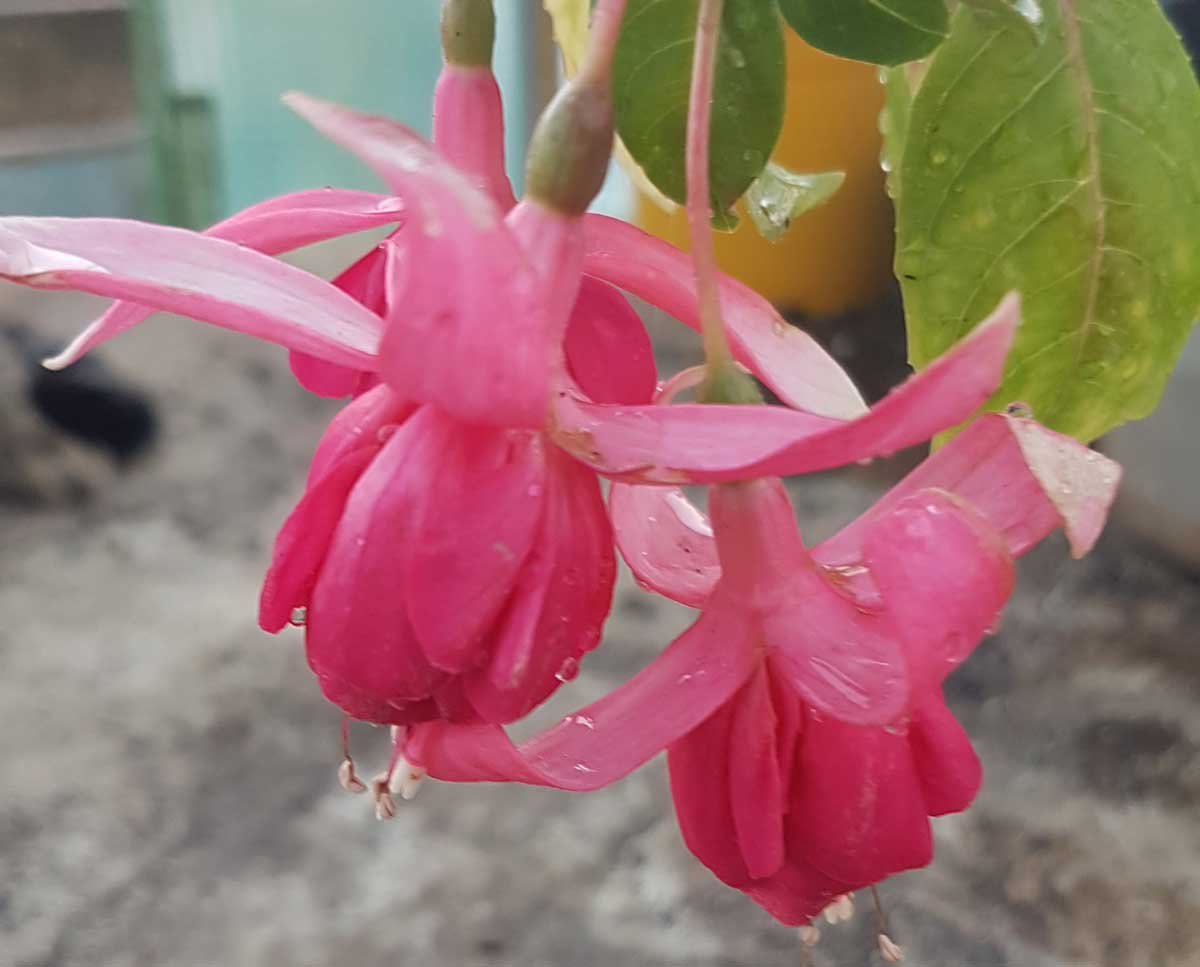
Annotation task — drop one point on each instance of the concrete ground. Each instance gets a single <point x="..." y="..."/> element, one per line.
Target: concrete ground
<point x="168" y="794"/>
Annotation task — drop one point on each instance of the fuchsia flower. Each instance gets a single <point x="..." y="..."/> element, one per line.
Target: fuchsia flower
<point x="808" y="741"/>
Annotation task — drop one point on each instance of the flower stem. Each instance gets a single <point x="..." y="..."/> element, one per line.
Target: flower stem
<point x="570" y="149"/>
<point x="602" y="39"/>
<point x="724" y="382"/>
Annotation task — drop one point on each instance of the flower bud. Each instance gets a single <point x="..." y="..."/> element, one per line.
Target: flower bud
<point x="468" y="32"/>
<point x="571" y="146"/>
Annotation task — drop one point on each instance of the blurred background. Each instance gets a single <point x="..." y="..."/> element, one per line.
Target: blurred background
<point x="167" y="791"/>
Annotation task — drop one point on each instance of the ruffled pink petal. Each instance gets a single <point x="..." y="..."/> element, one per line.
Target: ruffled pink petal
<point x="697" y="443"/>
<point x="797" y="893"/>
<point x="365" y="283"/>
<point x="608" y="739"/>
<point x="947" y="766"/>
<point x="360" y="423"/>
<point x="608" y="349"/>
<point x="468" y="128"/>
<point x="699" y="766"/>
<point x="787" y="359"/>
<point x="858" y="809"/>
<point x="320" y="378"/>
<point x="278" y="225"/>
<point x="944" y="575"/>
<point x="666" y="541"/>
<point x="1024" y="479"/>
<point x="471" y="533"/>
<point x="359" y="639"/>
<point x="756" y="785"/>
<point x="560" y="601"/>
<point x="468" y="327"/>
<point x="304" y="539"/>
<point x="843" y="662"/>
<point x="179" y="271"/>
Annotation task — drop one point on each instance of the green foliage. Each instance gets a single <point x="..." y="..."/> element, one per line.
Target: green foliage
<point x="652" y="76"/>
<point x="885" y="32"/>
<point x="1068" y="171"/>
<point x="1026" y="15"/>
<point x="893" y="123"/>
<point x="780" y="196"/>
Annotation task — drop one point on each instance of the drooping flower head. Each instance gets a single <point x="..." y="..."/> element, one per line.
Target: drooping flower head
<point x="807" y="736"/>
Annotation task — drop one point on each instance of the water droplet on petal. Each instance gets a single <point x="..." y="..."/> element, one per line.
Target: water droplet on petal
<point x="568" y="671"/>
<point x="299" y="617"/>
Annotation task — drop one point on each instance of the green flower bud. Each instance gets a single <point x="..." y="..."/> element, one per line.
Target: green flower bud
<point x="571" y="147"/>
<point x="468" y="32"/>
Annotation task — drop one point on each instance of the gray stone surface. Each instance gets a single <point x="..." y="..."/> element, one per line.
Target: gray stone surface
<point x="168" y="793"/>
<point x="1161" y="499"/>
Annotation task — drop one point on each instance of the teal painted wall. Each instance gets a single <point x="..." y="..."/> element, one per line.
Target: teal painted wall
<point x="380" y="56"/>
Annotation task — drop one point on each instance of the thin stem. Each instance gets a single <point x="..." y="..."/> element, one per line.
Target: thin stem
<point x="602" y="39"/>
<point x="699" y="211"/>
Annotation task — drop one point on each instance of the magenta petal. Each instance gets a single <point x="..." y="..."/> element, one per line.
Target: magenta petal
<point x="797" y="893"/>
<point x="304" y="539"/>
<point x="787" y="359"/>
<point x="468" y="128"/>
<point x="320" y="378"/>
<point x="700" y="784"/>
<point x="359" y="640"/>
<point x="843" y="662"/>
<point x="691" y="442"/>
<point x="278" y="225"/>
<point x="756" y="785"/>
<point x="608" y="739"/>
<point x="474" y="529"/>
<point x="559" y="604"/>
<point x="468" y="328"/>
<point x="365" y="283"/>
<point x="1024" y="479"/>
<point x="608" y="349"/>
<point x="303" y="218"/>
<point x="666" y="541"/>
<point x="944" y="574"/>
<point x="360" y="423"/>
<point x="859" y="813"/>
<point x="204" y="278"/>
<point x="947" y="766"/>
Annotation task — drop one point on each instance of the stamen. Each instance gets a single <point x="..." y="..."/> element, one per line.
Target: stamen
<point x="347" y="776"/>
<point x="349" y="779"/>
<point x="810" y="935"/>
<point x="385" y="805"/>
<point x="840" y="910"/>
<point x="889" y="950"/>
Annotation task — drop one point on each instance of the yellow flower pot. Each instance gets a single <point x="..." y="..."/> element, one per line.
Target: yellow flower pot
<point x="837" y="257"/>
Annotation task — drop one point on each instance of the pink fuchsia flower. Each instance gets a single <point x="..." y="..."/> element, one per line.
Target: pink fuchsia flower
<point x="807" y="737"/>
<point x="447" y="571"/>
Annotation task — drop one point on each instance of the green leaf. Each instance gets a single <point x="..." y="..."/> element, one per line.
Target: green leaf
<point x="1026" y="15"/>
<point x="651" y="81"/>
<point x="885" y="32"/>
<point x="780" y="196"/>
<point x="1068" y="171"/>
<point x="893" y="123"/>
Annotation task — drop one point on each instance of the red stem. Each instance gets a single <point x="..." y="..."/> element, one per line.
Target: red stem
<point x="602" y="39"/>
<point x="699" y="196"/>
